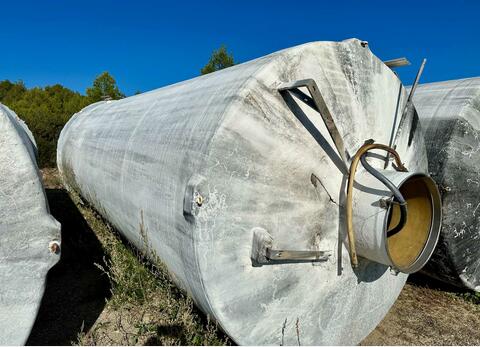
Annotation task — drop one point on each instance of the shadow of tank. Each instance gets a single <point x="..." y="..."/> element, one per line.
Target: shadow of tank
<point x="76" y="288"/>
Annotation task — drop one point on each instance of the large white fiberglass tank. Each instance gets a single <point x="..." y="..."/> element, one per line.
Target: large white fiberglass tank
<point x="450" y="115"/>
<point x="29" y="235"/>
<point x="234" y="181"/>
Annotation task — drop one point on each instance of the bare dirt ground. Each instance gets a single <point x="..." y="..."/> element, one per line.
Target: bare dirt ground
<point x="102" y="293"/>
<point x="428" y="316"/>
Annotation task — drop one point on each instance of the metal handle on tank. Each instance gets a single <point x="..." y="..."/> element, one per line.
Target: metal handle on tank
<point x="369" y="145"/>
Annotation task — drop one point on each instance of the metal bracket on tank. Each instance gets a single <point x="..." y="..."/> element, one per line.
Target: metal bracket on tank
<point x="399" y="62"/>
<point x="277" y="254"/>
<point x="264" y="254"/>
<point x="193" y="197"/>
<point x="317" y="102"/>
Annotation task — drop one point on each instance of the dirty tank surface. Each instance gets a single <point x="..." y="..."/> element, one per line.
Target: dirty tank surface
<point x="450" y="115"/>
<point x="26" y="231"/>
<point x="229" y="138"/>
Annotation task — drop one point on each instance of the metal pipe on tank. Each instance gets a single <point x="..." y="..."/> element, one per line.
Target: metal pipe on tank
<point x="450" y="115"/>
<point x="411" y="246"/>
<point x="237" y="178"/>
<point x="29" y="235"/>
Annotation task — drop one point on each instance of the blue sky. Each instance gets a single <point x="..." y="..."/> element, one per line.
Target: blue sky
<point x="149" y="44"/>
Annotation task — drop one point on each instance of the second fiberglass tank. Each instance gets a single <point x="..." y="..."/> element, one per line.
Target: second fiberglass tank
<point x="234" y="181"/>
<point x="450" y="114"/>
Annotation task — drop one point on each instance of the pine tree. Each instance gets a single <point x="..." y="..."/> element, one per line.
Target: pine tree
<point x="219" y="60"/>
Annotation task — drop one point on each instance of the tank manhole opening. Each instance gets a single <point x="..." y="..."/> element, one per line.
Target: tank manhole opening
<point x="411" y="248"/>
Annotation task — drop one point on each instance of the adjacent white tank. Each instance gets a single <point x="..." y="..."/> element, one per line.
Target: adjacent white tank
<point x="450" y="115"/>
<point x="29" y="235"/>
<point x="212" y="171"/>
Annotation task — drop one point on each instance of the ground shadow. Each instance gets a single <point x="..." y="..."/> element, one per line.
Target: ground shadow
<point x="421" y="279"/>
<point x="76" y="289"/>
<point x="175" y="330"/>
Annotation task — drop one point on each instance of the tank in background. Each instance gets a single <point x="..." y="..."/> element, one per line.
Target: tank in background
<point x="450" y="115"/>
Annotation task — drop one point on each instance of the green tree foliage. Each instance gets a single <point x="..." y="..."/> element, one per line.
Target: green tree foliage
<point x="46" y="110"/>
<point x="104" y="88"/>
<point x="219" y="60"/>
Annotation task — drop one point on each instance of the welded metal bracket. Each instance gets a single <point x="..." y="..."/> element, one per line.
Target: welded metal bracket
<point x="263" y="252"/>
<point x="316" y="101"/>
<point x="398" y="62"/>
<point x="279" y="255"/>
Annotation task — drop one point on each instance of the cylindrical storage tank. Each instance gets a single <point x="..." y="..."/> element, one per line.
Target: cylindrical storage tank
<point x="450" y="116"/>
<point x="234" y="183"/>
<point x="29" y="235"/>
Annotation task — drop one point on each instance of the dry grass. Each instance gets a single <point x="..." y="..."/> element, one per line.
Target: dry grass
<point x="428" y="316"/>
<point x="145" y="307"/>
<point x="51" y="179"/>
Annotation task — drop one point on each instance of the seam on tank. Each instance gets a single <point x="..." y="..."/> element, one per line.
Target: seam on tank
<point x="269" y="59"/>
<point x="223" y="117"/>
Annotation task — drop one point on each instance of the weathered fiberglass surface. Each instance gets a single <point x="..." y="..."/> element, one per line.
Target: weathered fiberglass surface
<point x="230" y="138"/>
<point x="450" y="115"/>
<point x="26" y="230"/>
